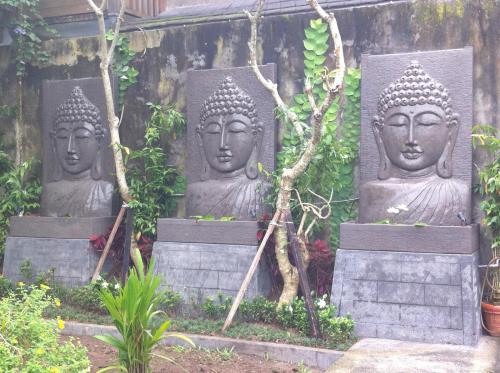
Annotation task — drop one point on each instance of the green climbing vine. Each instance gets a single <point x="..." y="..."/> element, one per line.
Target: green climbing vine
<point x="331" y="172"/>
<point x="25" y="24"/>
<point x="153" y="184"/>
<point x="126" y="73"/>
<point x="8" y="112"/>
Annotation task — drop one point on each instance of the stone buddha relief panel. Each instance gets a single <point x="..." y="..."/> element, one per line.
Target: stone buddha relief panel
<point x="77" y="159"/>
<point x="231" y="129"/>
<point x="416" y="151"/>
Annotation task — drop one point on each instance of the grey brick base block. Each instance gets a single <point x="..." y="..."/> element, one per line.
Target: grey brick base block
<point x="73" y="260"/>
<point x="409" y="296"/>
<point x="200" y="270"/>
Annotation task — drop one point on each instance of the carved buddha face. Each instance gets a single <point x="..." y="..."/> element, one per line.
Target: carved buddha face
<point x="76" y="146"/>
<point x="414" y="136"/>
<point x="229" y="134"/>
<point x="228" y="141"/>
<point x="76" y="137"/>
<point x="415" y="128"/>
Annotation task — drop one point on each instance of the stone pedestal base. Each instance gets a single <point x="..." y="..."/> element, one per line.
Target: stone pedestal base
<point x="425" y="297"/>
<point x="61" y="244"/>
<point x="201" y="270"/>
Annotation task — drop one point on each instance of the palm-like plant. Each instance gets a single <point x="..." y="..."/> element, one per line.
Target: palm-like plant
<point x="133" y="310"/>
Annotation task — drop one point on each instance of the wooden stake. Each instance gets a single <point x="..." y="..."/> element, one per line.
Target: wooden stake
<point x="251" y="271"/>
<point x="105" y="252"/>
<point x="304" y="281"/>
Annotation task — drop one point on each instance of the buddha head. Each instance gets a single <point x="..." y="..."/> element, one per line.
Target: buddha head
<point x="415" y="128"/>
<point x="229" y="134"/>
<point x="76" y="138"/>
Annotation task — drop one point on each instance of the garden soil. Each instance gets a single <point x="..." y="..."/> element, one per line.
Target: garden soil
<point x="193" y="361"/>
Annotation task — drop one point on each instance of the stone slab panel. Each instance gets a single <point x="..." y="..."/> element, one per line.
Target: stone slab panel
<point x="52" y="227"/>
<point x="400" y="292"/>
<point x="443" y="295"/>
<point x="199" y="270"/>
<point x="428" y="239"/>
<point x="73" y="260"/>
<point x="428" y="297"/>
<point x="201" y="231"/>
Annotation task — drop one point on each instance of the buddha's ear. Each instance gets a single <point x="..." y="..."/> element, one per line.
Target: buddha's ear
<point x="57" y="166"/>
<point x="205" y="167"/>
<point x="444" y="165"/>
<point x="96" y="170"/>
<point x="384" y="168"/>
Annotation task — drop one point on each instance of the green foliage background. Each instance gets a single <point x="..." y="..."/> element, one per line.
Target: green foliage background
<point x="332" y="168"/>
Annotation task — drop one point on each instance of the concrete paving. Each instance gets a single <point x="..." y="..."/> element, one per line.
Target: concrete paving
<point x="372" y="355"/>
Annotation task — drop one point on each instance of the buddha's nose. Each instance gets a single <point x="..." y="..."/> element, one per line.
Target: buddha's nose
<point x="71" y="145"/>
<point x="411" y="140"/>
<point x="223" y="138"/>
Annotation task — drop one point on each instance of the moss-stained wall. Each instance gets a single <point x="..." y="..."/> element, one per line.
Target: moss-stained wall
<point x="170" y="48"/>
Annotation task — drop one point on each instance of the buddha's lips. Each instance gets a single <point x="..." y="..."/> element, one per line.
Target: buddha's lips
<point x="412" y="153"/>
<point x="225" y="156"/>
<point x="72" y="160"/>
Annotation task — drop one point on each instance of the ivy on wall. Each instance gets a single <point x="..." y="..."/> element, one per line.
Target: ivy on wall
<point x="25" y="24"/>
<point x="331" y="172"/>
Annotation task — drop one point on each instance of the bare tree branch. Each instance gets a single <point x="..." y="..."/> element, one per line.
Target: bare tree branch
<point x="269" y="85"/>
<point x="105" y="55"/>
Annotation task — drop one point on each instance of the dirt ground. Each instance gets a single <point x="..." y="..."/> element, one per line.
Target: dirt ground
<point x="192" y="361"/>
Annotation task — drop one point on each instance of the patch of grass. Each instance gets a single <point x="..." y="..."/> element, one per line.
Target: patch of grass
<point x="257" y="332"/>
<point x="72" y="313"/>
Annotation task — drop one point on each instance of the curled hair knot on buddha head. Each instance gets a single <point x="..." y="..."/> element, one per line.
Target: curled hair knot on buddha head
<point x="78" y="108"/>
<point x="415" y="87"/>
<point x="229" y="99"/>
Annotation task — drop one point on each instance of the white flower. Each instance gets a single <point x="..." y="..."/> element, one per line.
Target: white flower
<point x="117" y="286"/>
<point x="104" y="285"/>
<point x="392" y="210"/>
<point x="402" y="207"/>
<point x="290" y="308"/>
<point x="321" y="304"/>
<point x="98" y="278"/>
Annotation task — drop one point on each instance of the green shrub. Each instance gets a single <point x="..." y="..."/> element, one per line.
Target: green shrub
<point x="28" y="342"/>
<point x="133" y="310"/>
<point x="217" y="308"/>
<point x="170" y="300"/>
<point x="332" y="327"/>
<point x="6" y="286"/>
<point x="258" y="309"/>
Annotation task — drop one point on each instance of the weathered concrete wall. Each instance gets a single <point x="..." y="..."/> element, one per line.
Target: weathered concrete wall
<point x="167" y="49"/>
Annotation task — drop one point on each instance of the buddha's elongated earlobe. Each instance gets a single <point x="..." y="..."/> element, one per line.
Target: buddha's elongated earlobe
<point x="251" y="169"/>
<point x="444" y="164"/>
<point x="57" y="165"/>
<point x="96" y="170"/>
<point x="205" y="167"/>
<point x="384" y="168"/>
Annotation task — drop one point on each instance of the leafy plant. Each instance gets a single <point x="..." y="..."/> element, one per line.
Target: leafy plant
<point x="20" y="192"/>
<point x="126" y="73"/>
<point x="6" y="286"/>
<point x="258" y="309"/>
<point x="8" y="111"/>
<point x="154" y="185"/>
<point x="332" y="168"/>
<point x="29" y="343"/>
<point x="217" y="308"/>
<point x="489" y="189"/>
<point x="133" y="311"/>
<point x="26" y="24"/>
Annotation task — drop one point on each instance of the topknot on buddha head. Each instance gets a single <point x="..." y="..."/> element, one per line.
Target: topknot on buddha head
<point x="227" y="99"/>
<point x="415" y="87"/>
<point x="78" y="108"/>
